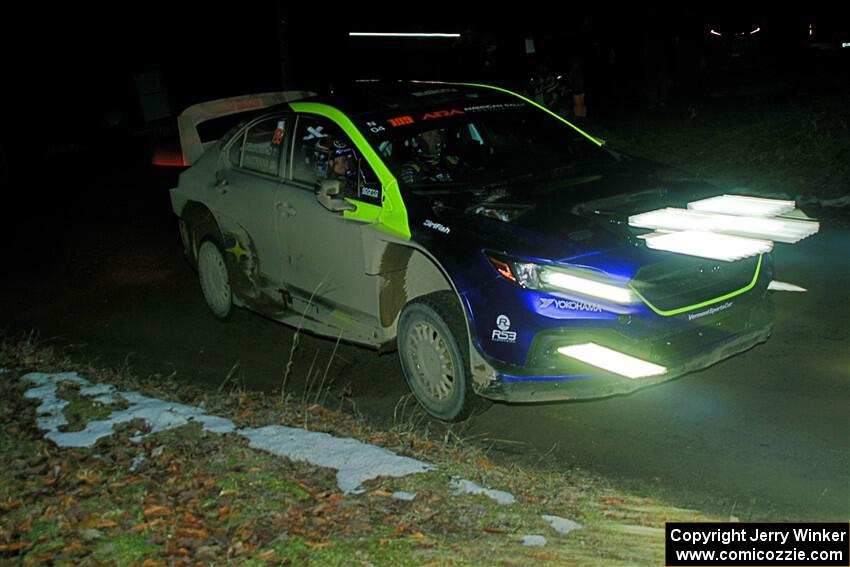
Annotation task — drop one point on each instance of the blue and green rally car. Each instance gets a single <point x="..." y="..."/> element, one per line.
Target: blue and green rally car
<point x="484" y="237"/>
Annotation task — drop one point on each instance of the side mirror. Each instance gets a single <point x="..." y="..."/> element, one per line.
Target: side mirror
<point x="328" y="196"/>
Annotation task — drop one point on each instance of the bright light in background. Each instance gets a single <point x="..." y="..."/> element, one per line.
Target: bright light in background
<point x="741" y="205"/>
<point x="712" y="32"/>
<point x="776" y="229"/>
<point x="402" y="34"/>
<point x="811" y="31"/>
<point x="612" y="361"/>
<point x="755" y="31"/>
<point x="708" y="245"/>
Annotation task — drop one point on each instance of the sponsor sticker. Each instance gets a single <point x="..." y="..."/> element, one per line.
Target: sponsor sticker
<point x="503" y="334"/>
<point x="369" y="192"/>
<point x="710" y="311"/>
<point x="568" y="305"/>
<point x="436" y="226"/>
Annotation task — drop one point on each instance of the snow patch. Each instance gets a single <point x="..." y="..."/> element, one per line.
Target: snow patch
<point x="137" y="462"/>
<point x="562" y="525"/>
<point x="158" y="414"/>
<point x="355" y="462"/>
<point x="406" y="496"/>
<point x="462" y="486"/>
<point x="97" y="390"/>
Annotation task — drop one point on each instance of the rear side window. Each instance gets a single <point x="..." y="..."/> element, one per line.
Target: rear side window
<point x="262" y="147"/>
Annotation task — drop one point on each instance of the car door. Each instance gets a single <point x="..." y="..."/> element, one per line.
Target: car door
<point x="249" y="184"/>
<point x="324" y="251"/>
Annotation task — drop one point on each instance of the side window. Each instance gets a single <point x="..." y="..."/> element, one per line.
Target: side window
<point x="316" y="142"/>
<point x="263" y="146"/>
<point x="323" y="151"/>
<point x="235" y="153"/>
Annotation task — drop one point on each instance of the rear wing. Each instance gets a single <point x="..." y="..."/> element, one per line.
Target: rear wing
<point x="189" y="119"/>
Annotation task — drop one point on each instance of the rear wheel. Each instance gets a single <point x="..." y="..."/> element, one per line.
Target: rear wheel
<point x="215" y="279"/>
<point x="433" y="349"/>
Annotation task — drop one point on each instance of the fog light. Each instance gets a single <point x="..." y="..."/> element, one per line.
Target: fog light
<point x="612" y="360"/>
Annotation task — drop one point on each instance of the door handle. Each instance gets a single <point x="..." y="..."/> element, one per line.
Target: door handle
<point x="285" y="209"/>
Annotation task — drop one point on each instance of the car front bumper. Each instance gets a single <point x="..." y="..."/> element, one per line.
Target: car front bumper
<point x="551" y="376"/>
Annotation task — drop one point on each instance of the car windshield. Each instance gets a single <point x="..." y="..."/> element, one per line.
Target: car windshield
<point x="468" y="146"/>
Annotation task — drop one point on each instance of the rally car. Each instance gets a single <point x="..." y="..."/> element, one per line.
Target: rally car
<point x="507" y="254"/>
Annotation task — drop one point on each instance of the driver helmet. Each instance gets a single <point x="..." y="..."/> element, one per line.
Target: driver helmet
<point x="326" y="153"/>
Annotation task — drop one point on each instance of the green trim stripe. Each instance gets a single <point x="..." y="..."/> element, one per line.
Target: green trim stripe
<point x="680" y="310"/>
<point x="541" y="107"/>
<point x="392" y="214"/>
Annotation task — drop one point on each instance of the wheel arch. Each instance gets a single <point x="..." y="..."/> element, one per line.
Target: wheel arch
<point x="197" y="222"/>
<point x="410" y="272"/>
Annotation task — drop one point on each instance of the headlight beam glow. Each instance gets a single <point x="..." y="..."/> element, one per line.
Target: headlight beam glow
<point x="585" y="286"/>
<point x="612" y="360"/>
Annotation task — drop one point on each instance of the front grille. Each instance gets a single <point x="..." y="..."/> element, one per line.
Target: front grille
<point x="686" y="280"/>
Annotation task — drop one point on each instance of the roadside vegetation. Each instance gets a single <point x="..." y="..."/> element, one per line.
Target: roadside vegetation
<point x="187" y="497"/>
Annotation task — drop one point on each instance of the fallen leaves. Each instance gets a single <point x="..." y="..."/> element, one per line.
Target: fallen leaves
<point x="191" y="533"/>
<point x="97" y="523"/>
<point x="145" y="526"/>
<point x="9" y="504"/>
<point x="156" y="512"/>
<point x="88" y="477"/>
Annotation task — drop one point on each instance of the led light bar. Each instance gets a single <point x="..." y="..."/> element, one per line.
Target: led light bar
<point x="402" y="34"/>
<point x="712" y="245"/>
<point x="612" y="360"/>
<point x="741" y="205"/>
<point x="587" y="286"/>
<point x="783" y="286"/>
<point x="776" y="229"/>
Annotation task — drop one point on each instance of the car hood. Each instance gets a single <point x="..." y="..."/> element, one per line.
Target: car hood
<point x="585" y="212"/>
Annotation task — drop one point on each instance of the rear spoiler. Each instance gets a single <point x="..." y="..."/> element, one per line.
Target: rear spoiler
<point x="189" y="119"/>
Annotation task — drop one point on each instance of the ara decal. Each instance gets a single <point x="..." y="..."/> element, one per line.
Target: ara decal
<point x="442" y="114"/>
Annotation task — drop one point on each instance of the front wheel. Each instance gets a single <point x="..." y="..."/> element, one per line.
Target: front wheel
<point x="215" y="280"/>
<point x="433" y="349"/>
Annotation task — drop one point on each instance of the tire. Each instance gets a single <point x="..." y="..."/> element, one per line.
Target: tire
<point x="434" y="353"/>
<point x="215" y="280"/>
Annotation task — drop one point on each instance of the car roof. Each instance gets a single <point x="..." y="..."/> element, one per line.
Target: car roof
<point x="379" y="96"/>
<point x="365" y="98"/>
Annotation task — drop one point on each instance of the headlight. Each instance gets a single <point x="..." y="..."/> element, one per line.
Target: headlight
<point x="580" y="281"/>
